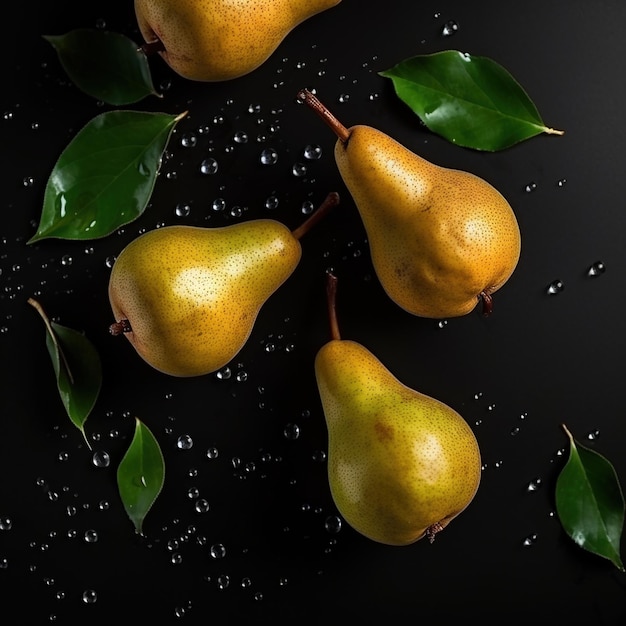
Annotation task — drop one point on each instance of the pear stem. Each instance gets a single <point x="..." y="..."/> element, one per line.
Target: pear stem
<point x="331" y="298"/>
<point x="312" y="101"/>
<point x="152" y="47"/>
<point x="331" y="201"/>
<point x="487" y="300"/>
<point x="118" y="328"/>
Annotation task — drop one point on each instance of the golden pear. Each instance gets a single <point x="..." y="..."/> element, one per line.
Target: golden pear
<point x="401" y="465"/>
<point x="216" y="40"/>
<point x="441" y="239"/>
<point x="187" y="297"/>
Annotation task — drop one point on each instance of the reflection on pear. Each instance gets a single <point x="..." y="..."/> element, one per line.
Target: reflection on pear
<point x="441" y="239"/>
<point x="187" y="297"/>
<point x="401" y="464"/>
<point x="221" y="39"/>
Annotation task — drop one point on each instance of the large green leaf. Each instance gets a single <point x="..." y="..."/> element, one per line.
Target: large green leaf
<point x="469" y="100"/>
<point x="77" y="367"/>
<point x="108" y="66"/>
<point x="590" y="503"/>
<point x="104" y="178"/>
<point x="140" y="475"/>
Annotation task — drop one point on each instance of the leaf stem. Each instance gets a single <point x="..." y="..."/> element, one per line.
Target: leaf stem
<point x="331" y="201"/>
<point x="313" y="102"/>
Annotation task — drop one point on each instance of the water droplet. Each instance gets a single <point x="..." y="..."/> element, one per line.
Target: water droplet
<point x="223" y="581"/>
<point x="258" y="596"/>
<point x="556" y="286"/>
<point x="254" y="108"/>
<point x="530" y="187"/>
<point x="6" y="523"/>
<point x="312" y="152"/>
<point x="530" y="540"/>
<point x="66" y="259"/>
<point x="307" y="207"/>
<point x="183" y="209"/>
<point x="212" y="453"/>
<point x="561" y="182"/>
<point x="271" y="202"/>
<point x="209" y="166"/>
<point x="101" y="458"/>
<point x="89" y="596"/>
<point x="241" y="376"/>
<point x="188" y="140"/>
<point x="449" y="28"/>
<point x="593" y="434"/>
<point x="298" y="169"/>
<point x="63" y="456"/>
<point x="219" y="204"/>
<point x="291" y="431"/>
<point x="533" y="485"/>
<point x="176" y="558"/>
<point x="319" y="456"/>
<point x="218" y="551"/>
<point x="596" y="269"/>
<point x="90" y="536"/>
<point x="515" y="430"/>
<point x="103" y="505"/>
<point x="269" y="156"/>
<point x="184" y="442"/>
<point x="240" y="137"/>
<point x="442" y="323"/>
<point x="193" y="492"/>
<point x="28" y="181"/>
<point x="223" y="374"/>
<point x="332" y="524"/>
<point x="201" y="506"/>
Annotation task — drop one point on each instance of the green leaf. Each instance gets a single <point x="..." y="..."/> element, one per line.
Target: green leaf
<point x="471" y="101"/>
<point x="104" y="178"/>
<point x="140" y="475"/>
<point x="77" y="368"/>
<point x="108" y="66"/>
<point x="590" y="503"/>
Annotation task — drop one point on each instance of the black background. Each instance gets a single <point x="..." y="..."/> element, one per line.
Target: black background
<point x="539" y="361"/>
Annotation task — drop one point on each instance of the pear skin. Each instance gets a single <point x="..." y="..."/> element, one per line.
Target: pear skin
<point x="218" y="40"/>
<point x="401" y="465"/>
<point x="441" y="239"/>
<point x="187" y="297"/>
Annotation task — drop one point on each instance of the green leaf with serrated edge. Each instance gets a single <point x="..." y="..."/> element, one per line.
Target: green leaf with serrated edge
<point x="105" y="65"/>
<point x="471" y="101"/>
<point x="140" y="475"/>
<point x="104" y="178"/>
<point x="77" y="367"/>
<point x="590" y="503"/>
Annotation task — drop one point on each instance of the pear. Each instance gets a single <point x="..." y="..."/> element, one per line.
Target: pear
<point x="218" y="40"/>
<point x="401" y="465"/>
<point x="187" y="297"/>
<point x="441" y="239"/>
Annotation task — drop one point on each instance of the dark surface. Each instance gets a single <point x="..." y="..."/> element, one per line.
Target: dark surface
<point x="538" y="362"/>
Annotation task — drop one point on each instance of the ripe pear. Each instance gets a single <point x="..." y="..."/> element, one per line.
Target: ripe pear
<point x="217" y="40"/>
<point x="441" y="239"/>
<point x="401" y="465"/>
<point x="187" y="297"/>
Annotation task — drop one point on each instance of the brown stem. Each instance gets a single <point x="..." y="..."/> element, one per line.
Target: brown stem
<point x="312" y="101"/>
<point x="118" y="328"/>
<point x="432" y="531"/>
<point x="331" y="201"/>
<point x="487" y="300"/>
<point x="152" y="47"/>
<point x="331" y="298"/>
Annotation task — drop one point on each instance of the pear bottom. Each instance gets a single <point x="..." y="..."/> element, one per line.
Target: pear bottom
<point x="401" y="464"/>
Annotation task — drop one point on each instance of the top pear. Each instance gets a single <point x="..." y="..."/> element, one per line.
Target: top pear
<point x="217" y="40"/>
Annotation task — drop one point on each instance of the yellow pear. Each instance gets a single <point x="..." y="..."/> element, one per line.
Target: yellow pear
<point x="187" y="297"/>
<point x="441" y="239"/>
<point x="401" y="464"/>
<point x="216" y="40"/>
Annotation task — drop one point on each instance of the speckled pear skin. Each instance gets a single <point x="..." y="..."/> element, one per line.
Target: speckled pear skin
<point x="192" y="294"/>
<point x="438" y="237"/>
<point x="401" y="465"/>
<point x="216" y="40"/>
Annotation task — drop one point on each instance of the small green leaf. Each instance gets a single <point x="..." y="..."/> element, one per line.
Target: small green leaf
<point x="140" y="475"/>
<point x="108" y="66"/>
<point x="104" y="178"/>
<point x="77" y="367"/>
<point x="471" y="101"/>
<point x="590" y="503"/>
